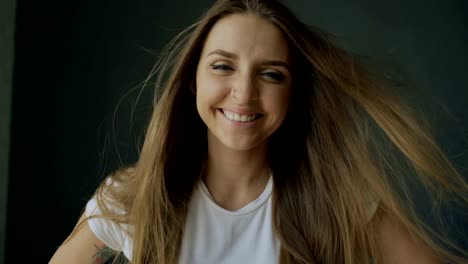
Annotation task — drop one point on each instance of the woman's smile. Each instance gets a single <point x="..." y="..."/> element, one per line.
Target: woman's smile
<point x="239" y="117"/>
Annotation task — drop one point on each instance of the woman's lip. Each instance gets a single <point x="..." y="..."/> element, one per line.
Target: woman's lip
<point x="240" y="111"/>
<point x="240" y="123"/>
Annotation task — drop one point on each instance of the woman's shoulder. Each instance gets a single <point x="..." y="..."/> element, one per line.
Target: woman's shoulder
<point x="106" y="218"/>
<point x="107" y="210"/>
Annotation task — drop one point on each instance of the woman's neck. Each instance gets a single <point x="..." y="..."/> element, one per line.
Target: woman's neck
<point x="235" y="178"/>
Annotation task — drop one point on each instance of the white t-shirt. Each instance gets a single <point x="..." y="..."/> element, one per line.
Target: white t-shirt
<point x="212" y="234"/>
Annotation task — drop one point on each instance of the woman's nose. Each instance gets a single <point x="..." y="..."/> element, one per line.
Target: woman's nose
<point x="245" y="90"/>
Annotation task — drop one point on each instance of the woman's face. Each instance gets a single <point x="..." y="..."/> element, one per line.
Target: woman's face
<point x="243" y="81"/>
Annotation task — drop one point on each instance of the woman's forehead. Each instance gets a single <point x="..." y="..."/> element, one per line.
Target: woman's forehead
<point x="249" y="36"/>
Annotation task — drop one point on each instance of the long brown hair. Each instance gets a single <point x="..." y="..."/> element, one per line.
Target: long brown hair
<point x="329" y="158"/>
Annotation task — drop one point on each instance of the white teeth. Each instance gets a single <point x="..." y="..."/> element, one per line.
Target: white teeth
<point x="237" y="117"/>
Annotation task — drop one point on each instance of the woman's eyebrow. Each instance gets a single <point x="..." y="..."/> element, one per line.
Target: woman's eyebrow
<point x="223" y="53"/>
<point x="276" y="63"/>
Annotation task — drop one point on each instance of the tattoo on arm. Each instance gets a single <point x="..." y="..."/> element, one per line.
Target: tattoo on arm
<point x="106" y="255"/>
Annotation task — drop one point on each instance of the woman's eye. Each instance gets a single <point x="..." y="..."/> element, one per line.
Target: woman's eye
<point x="222" y="67"/>
<point x="274" y="75"/>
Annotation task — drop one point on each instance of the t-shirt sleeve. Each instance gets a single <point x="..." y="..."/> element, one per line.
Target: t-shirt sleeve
<point x="109" y="232"/>
<point x="372" y="205"/>
<point x="372" y="208"/>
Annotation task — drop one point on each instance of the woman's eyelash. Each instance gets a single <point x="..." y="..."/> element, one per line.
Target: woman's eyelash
<point x="222" y="67"/>
<point x="274" y="75"/>
<point x="277" y="76"/>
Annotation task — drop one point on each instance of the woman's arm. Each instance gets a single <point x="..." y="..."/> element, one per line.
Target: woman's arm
<point x="82" y="246"/>
<point x="398" y="247"/>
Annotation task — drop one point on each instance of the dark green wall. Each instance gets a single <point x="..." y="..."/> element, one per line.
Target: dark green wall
<point x="7" y="30"/>
<point x="76" y="59"/>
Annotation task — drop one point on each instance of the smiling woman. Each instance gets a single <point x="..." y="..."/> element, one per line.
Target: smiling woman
<point x="264" y="147"/>
<point x="242" y="75"/>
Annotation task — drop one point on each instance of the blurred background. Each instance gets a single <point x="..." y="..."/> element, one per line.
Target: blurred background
<point x="71" y="72"/>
